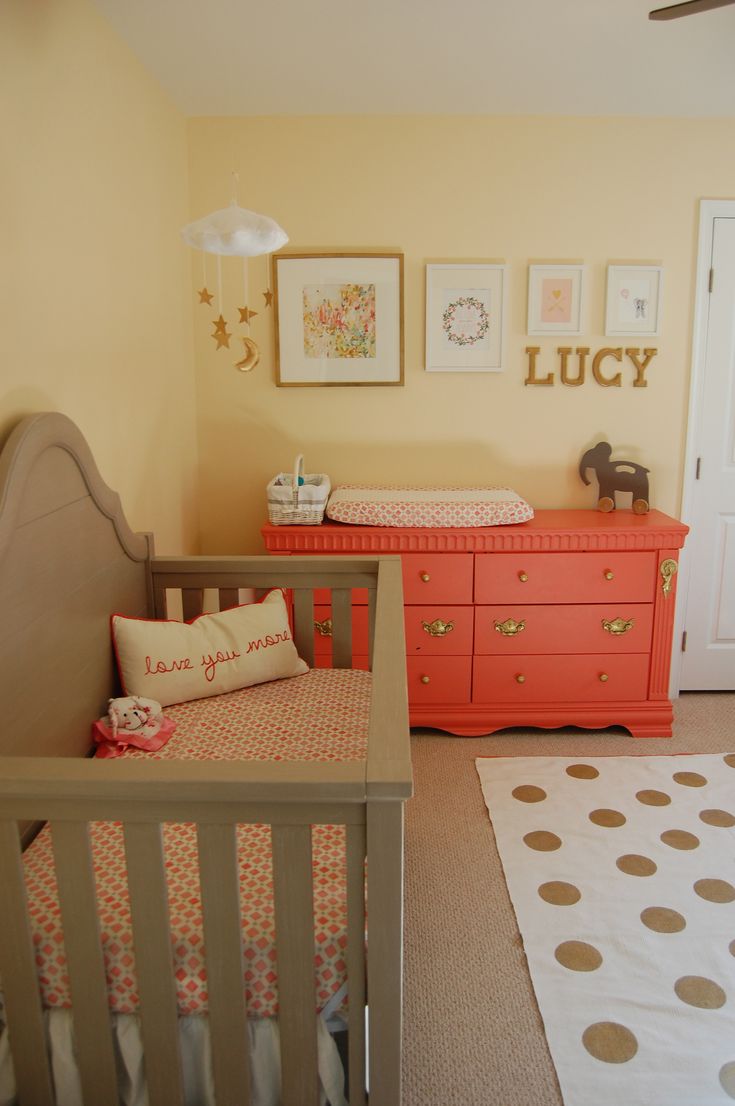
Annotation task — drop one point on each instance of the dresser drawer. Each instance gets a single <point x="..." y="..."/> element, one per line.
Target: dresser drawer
<point x="323" y="630"/>
<point x="564" y="577"/>
<point x="442" y="577"/>
<point x="438" y="630"/>
<point x="560" y="679"/>
<point x="439" y="679"/>
<point x="575" y="628"/>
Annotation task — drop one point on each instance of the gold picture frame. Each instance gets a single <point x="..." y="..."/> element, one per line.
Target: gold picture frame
<point x="338" y="318"/>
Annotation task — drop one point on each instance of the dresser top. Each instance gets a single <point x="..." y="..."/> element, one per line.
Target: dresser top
<point x="548" y="531"/>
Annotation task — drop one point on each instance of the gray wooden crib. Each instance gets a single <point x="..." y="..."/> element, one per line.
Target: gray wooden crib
<point x="68" y="560"/>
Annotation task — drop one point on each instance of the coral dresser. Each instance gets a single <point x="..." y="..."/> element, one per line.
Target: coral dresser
<point x="566" y="619"/>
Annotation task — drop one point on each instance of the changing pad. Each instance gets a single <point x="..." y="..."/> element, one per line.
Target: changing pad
<point x="375" y="505"/>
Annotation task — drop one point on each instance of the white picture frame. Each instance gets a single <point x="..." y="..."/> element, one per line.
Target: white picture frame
<point x="465" y="316"/>
<point x="633" y="301"/>
<point x="556" y="299"/>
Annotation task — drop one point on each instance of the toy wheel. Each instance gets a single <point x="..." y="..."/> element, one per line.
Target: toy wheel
<point x="606" y="504"/>
<point x="640" y="506"/>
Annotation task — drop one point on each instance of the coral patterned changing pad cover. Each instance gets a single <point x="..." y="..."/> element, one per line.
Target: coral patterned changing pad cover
<point x="321" y="715"/>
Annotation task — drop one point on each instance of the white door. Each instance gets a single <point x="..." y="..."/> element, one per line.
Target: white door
<point x="708" y="609"/>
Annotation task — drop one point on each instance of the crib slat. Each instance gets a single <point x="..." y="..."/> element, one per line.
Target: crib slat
<point x="151" y="936"/>
<point x="341" y="628"/>
<point x="372" y="596"/>
<point x="218" y="874"/>
<point x="90" y="1005"/>
<point x="294" y="914"/>
<point x="356" y="962"/>
<point x="228" y="597"/>
<point x="19" y="980"/>
<point x="303" y="615"/>
<point x="192" y="602"/>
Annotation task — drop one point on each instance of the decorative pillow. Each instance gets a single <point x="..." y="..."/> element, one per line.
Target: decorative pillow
<point x="174" y="662"/>
<point x="372" y="505"/>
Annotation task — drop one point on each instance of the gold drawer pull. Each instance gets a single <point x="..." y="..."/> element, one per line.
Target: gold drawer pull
<point x="523" y="576"/>
<point x="425" y="679"/>
<point x="608" y="574"/>
<point x="520" y="678"/>
<point x="425" y="577"/>
<point x="324" y="628"/>
<point x="668" y="570"/>
<point x="510" y="627"/>
<point x="437" y="628"/>
<point x="618" y="625"/>
<point x="604" y="677"/>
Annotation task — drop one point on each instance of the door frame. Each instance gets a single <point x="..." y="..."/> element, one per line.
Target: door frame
<point x="709" y="210"/>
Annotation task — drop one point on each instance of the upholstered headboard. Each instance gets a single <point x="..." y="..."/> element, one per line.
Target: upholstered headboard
<point x="68" y="559"/>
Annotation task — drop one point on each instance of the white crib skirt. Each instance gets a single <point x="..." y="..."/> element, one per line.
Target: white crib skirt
<point x="265" y="1063"/>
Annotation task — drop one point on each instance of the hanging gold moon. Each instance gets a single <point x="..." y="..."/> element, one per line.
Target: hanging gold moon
<point x="251" y="358"/>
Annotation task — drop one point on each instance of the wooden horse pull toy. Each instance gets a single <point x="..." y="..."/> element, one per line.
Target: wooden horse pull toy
<point x="615" y="476"/>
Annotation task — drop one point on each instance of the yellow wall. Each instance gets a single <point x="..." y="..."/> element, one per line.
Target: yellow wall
<point x="521" y="189"/>
<point x="95" y="316"/>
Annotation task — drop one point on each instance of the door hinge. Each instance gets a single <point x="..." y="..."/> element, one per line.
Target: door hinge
<point x="711" y="279"/>
<point x="699" y="468"/>
<point x="684" y="642"/>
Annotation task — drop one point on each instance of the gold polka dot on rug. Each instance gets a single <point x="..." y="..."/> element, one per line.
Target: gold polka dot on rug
<point x="610" y="1042"/>
<point x="650" y="797"/>
<point x="558" y="893"/>
<point x="689" y="779"/>
<point x="730" y="759"/>
<point x="680" y="839"/>
<point x="528" y="793"/>
<point x="609" y="819"/>
<point x="662" y="919"/>
<point x="714" y="817"/>
<point x="715" y="890"/>
<point x="578" y="956"/>
<point x="697" y="990"/>
<point x="632" y="864"/>
<point x="582" y="772"/>
<point x="543" y="841"/>
<point x="727" y="1078"/>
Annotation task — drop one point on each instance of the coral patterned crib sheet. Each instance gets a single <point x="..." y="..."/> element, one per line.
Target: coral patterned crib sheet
<point x="322" y="715"/>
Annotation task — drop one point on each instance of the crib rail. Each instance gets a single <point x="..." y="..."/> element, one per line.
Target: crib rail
<point x="365" y="796"/>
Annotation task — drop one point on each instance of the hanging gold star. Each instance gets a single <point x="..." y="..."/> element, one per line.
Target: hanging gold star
<point x="205" y="296"/>
<point x="268" y="297"/>
<point x="245" y="314"/>
<point x="222" y="338"/>
<point x="220" y="325"/>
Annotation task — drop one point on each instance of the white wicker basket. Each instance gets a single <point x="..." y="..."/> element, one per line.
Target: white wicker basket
<point x="296" y="498"/>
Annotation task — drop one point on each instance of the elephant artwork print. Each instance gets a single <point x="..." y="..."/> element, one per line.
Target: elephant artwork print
<point x="633" y="299"/>
<point x="615" y="476"/>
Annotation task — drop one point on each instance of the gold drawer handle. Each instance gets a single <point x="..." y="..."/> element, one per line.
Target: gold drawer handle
<point x="425" y="577"/>
<point x="604" y="677"/>
<point x="425" y="679"/>
<point x="324" y="628"/>
<point x="618" y="625"/>
<point x="523" y="577"/>
<point x="510" y="627"/>
<point x="608" y="574"/>
<point x="668" y="570"/>
<point x="437" y="628"/>
<point x="520" y="678"/>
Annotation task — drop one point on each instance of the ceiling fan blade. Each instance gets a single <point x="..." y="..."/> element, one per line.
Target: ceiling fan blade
<point x="690" y="7"/>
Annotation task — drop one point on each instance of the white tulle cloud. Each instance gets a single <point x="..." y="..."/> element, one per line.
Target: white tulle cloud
<point x="235" y="232"/>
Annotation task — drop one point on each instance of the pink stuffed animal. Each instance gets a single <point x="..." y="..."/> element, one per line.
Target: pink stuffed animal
<point x="131" y="721"/>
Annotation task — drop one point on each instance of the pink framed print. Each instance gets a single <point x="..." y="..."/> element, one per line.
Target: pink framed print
<point x="555" y="299"/>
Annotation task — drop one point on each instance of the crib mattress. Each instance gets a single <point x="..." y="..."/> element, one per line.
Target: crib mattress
<point x="322" y="715"/>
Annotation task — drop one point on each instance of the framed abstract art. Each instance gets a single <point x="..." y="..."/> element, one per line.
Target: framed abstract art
<point x="465" y="316"/>
<point x="555" y="299"/>
<point x="338" y="319"/>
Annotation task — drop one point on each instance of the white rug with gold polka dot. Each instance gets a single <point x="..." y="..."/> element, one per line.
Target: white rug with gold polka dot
<point x="621" y="871"/>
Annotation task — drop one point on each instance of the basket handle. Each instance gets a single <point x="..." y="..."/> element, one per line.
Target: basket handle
<point x="298" y="475"/>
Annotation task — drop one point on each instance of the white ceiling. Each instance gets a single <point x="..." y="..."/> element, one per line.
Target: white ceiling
<point x="305" y="57"/>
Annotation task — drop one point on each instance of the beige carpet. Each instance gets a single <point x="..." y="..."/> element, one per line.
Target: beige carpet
<point x="472" y="1032"/>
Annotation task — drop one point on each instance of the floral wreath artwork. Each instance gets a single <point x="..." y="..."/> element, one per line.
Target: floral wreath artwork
<point x="474" y="324"/>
